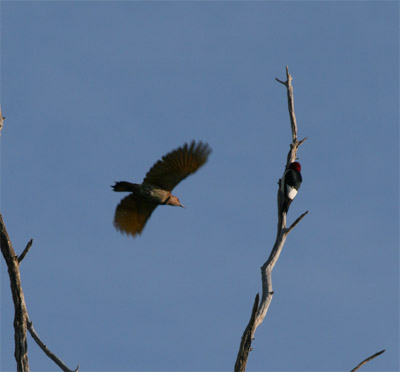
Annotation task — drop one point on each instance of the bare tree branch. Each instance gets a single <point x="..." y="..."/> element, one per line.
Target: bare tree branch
<point x="20" y="314"/>
<point x="301" y="142"/>
<point x="292" y="226"/>
<point x="288" y="85"/>
<point x="245" y="345"/>
<point x="26" y="250"/>
<point x="367" y="360"/>
<point x="21" y="318"/>
<point x="282" y="233"/>
<point x="47" y="351"/>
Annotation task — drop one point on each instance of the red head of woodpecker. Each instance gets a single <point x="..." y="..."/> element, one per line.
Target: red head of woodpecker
<point x="290" y="184"/>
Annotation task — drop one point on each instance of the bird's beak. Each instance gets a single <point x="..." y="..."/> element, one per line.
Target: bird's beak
<point x="181" y="205"/>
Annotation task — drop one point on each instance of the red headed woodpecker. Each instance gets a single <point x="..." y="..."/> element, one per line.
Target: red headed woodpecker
<point x="290" y="184"/>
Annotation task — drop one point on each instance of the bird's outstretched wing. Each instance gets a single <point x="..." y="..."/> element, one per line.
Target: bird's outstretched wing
<point x="177" y="165"/>
<point x="132" y="214"/>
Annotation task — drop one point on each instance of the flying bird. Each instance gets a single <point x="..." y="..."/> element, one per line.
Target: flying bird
<point x="135" y="209"/>
<point x="290" y="184"/>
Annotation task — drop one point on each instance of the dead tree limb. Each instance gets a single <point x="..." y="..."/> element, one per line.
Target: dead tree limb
<point x="282" y="233"/>
<point x="20" y="314"/>
<point x="21" y="317"/>
<point x="367" y="360"/>
<point x="46" y="350"/>
<point x="245" y="344"/>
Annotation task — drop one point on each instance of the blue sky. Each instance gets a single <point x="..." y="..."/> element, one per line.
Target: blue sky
<point x="95" y="92"/>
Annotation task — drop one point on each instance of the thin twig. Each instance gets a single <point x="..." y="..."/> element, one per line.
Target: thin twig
<point x="301" y="142"/>
<point x="282" y="82"/>
<point x="26" y="250"/>
<point x="46" y="350"/>
<point x="298" y="219"/>
<point x="367" y="360"/>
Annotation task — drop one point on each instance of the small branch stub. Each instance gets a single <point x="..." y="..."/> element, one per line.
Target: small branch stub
<point x="25" y="251"/>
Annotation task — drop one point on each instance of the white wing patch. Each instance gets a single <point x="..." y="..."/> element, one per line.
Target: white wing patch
<point x="291" y="192"/>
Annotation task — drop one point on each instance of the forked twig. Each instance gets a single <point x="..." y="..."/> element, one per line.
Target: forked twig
<point x="21" y="317"/>
<point x="289" y="87"/>
<point x="20" y="314"/>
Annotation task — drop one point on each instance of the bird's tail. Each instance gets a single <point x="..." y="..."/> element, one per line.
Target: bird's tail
<point x="125" y="186"/>
<point x="286" y="205"/>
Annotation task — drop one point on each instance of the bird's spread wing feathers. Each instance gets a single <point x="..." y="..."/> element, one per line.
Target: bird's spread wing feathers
<point x="177" y="165"/>
<point x="132" y="214"/>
